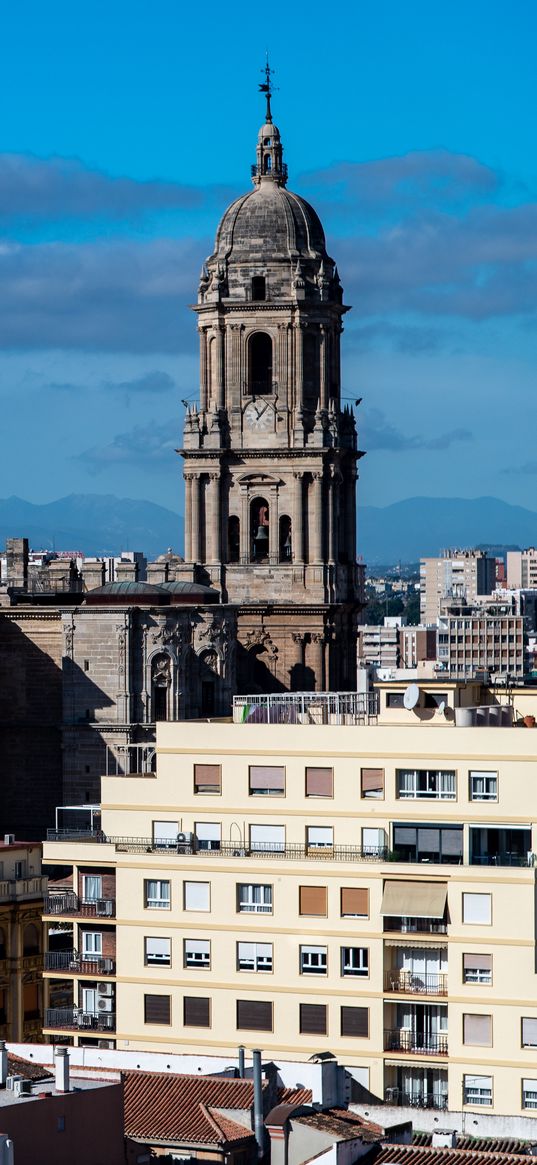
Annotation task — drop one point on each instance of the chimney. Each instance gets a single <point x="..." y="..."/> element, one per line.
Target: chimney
<point x="241" y="1061"/>
<point x="259" y="1127"/>
<point x="444" y="1139"/>
<point x="61" y="1064"/>
<point x="3" y="1063"/>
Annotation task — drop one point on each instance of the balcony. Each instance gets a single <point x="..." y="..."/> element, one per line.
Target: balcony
<point x="23" y="889"/>
<point x="73" y="963"/>
<point x="32" y="962"/>
<point x="404" y="1099"/>
<point x="74" y="1018"/>
<point x="415" y="1042"/>
<point x="415" y="925"/>
<point x="411" y="983"/>
<point x="307" y="708"/>
<point x="71" y="904"/>
<point x="294" y="851"/>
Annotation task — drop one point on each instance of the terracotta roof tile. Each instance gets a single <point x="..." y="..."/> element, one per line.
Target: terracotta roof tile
<point x="181" y="1108"/>
<point x="17" y="1066"/>
<point x="295" y="1096"/>
<point x="427" y="1155"/>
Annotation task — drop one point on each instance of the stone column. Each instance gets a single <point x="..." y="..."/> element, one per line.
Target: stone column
<point x="188" y="517"/>
<point x="332" y="516"/>
<point x="299" y="368"/>
<point x="213" y="519"/>
<point x="281" y="371"/>
<point x="297" y="529"/>
<point x="245" y="527"/>
<point x="316" y="518"/>
<point x="219" y="361"/>
<point x="317" y="641"/>
<point x="203" y="369"/>
<point x="195" y="511"/>
<point x="274" y="526"/>
<point x="323" y="369"/>
<point x="300" y="642"/>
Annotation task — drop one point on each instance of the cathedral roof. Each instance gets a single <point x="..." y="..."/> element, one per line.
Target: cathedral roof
<point x="187" y="592"/>
<point x="128" y="592"/>
<point x="272" y="222"/>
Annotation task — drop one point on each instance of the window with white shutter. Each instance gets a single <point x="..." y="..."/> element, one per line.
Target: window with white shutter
<point x="158" y="952"/>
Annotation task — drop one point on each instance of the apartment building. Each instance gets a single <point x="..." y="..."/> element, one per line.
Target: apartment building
<point x="22" y="891"/>
<point x="353" y="876"/>
<point x="462" y="575"/>
<point x="522" y="568"/>
<point x="489" y="640"/>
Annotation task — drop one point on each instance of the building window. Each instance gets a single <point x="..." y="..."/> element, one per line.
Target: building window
<point x="92" y="887"/>
<point x="267" y="838"/>
<point x="254" y="1014"/>
<point x="92" y="945"/>
<point x="165" y="834"/>
<point x="355" y="961"/>
<point x="313" y="1019"/>
<point x="437" y="843"/>
<point x="254" y="899"/>
<point x="208" y="834"/>
<point x="234" y="538"/>
<point x="258" y="287"/>
<point x="156" y="894"/>
<point x="477" y="909"/>
<point x="196" y="1011"/>
<point x="197" y="953"/>
<point x="372" y="783"/>
<point x="260" y="364"/>
<point x="529" y="1094"/>
<point x="197" y="895"/>
<point x="354" y="902"/>
<point x="313" y="960"/>
<point x="477" y="1030"/>
<point x="319" y="837"/>
<point x="477" y="1090"/>
<point x="394" y="699"/>
<point x="254" y="956"/>
<point x="158" y="952"/>
<point x="313" y="901"/>
<point x="355" y="1021"/>
<point x="425" y="784"/>
<point x="157" y="1009"/>
<point x="266" y="780"/>
<point x="529" y="1032"/>
<point x="373" y="842"/>
<point x="483" y="786"/>
<point x="259" y="530"/>
<point x="207" y="778"/>
<point x="477" y="969"/>
<point x="285" y="539"/>
<point x="319" y="782"/>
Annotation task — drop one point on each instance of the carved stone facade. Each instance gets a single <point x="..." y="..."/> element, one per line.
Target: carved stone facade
<point x="270" y="455"/>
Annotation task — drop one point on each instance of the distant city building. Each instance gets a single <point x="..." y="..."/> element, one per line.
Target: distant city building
<point x="22" y="891"/>
<point x="522" y="568"/>
<point x="470" y="642"/>
<point x="394" y="645"/>
<point x="460" y="575"/>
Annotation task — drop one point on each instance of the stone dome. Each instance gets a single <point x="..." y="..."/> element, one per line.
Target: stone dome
<point x="187" y="592"/>
<point x="128" y="593"/>
<point x="270" y="222"/>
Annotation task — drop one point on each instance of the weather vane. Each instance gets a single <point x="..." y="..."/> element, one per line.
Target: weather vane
<point x="267" y="87"/>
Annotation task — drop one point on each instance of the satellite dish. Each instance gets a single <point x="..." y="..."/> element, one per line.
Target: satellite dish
<point x="411" y="696"/>
<point x="441" y="708"/>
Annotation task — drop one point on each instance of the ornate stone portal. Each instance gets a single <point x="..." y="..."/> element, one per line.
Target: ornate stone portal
<point x="270" y="455"/>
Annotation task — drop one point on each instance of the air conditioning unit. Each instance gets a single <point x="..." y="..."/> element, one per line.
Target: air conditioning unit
<point x="104" y="906"/>
<point x="22" y="1087"/>
<point x="12" y="1081"/>
<point x="104" y="1004"/>
<point x="108" y="966"/>
<point x="105" y="990"/>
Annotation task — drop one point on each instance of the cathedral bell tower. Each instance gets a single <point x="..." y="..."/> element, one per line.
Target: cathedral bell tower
<point x="270" y="455"/>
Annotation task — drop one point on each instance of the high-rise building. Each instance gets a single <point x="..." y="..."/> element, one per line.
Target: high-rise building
<point x="459" y="576"/>
<point x="522" y="569"/>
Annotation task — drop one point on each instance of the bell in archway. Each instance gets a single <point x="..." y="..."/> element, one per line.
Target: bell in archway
<point x="262" y="536"/>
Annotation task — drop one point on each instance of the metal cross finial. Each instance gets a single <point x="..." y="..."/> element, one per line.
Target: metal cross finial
<point x="267" y="87"/>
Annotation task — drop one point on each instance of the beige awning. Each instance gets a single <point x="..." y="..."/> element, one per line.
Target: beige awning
<point x="410" y="940"/>
<point x="414" y="899"/>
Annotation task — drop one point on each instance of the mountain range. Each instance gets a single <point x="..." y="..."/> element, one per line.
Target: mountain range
<point x="403" y="531"/>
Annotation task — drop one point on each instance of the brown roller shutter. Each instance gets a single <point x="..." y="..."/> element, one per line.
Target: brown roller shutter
<point x="207" y="778"/>
<point x="354" y="902"/>
<point x="196" y="1011"/>
<point x="313" y="1019"/>
<point x="477" y="1030"/>
<point x="313" y="900"/>
<point x="477" y="962"/>
<point x="157" y="1008"/>
<point x="372" y="782"/>
<point x="355" y="1021"/>
<point x="319" y="782"/>
<point x="271" y="777"/>
<point x="255" y="1014"/>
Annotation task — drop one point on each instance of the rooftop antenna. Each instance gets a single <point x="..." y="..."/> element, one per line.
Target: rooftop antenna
<point x="267" y="87"/>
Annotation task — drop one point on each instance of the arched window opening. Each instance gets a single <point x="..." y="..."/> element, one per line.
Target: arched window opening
<point x="30" y="940"/>
<point x="234" y="539"/>
<point x="160" y="686"/>
<point x="311" y="370"/>
<point x="259" y="530"/>
<point x="286" y="549"/>
<point x="260" y="364"/>
<point x="259" y="290"/>
<point x="267" y="164"/>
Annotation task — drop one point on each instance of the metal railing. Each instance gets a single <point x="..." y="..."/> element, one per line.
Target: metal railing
<point x="77" y="963"/>
<point x="307" y="708"/>
<point x="72" y="834"/>
<point x="411" y="983"/>
<point x="70" y="903"/>
<point x="404" y="1099"/>
<point x="74" y="1018"/>
<point x="414" y="925"/>
<point x="404" y="1040"/>
<point x="228" y="849"/>
<point x="19" y="889"/>
<point x="32" y="962"/>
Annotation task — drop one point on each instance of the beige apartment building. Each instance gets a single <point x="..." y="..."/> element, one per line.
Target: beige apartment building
<point x="458" y="575"/>
<point x="522" y="568"/>
<point x="492" y="640"/>
<point x="353" y="876"/>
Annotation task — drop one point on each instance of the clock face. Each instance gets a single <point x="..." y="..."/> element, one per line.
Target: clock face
<point x="258" y="416"/>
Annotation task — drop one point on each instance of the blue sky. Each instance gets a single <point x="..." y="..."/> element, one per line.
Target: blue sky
<point x="126" y="129"/>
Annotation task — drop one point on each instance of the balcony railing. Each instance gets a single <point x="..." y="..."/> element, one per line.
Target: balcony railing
<point x="415" y="925"/>
<point x="74" y="1018"/>
<point x="70" y="903"/>
<point x="307" y="708"/>
<point x="23" y="889"/>
<point x="238" y="849"/>
<point x="32" y="962"/>
<point x="403" y="1040"/>
<point x="411" y="983"/>
<point x="78" y="964"/>
<point x="403" y="1099"/>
